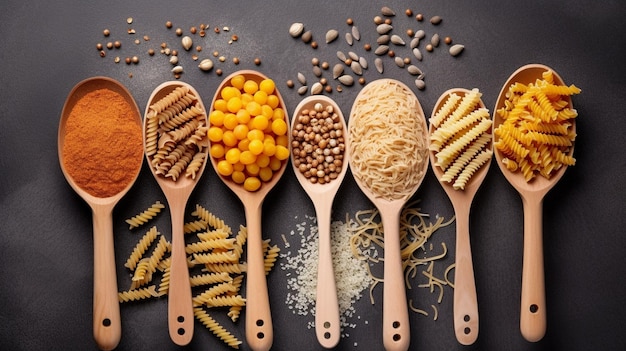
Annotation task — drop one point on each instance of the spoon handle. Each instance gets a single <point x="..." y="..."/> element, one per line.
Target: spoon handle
<point x="465" y="301"/>
<point x="396" y="330"/>
<point x="107" y="326"/>
<point x="327" y="326"/>
<point x="259" y="334"/>
<point x="533" y="307"/>
<point x="179" y="305"/>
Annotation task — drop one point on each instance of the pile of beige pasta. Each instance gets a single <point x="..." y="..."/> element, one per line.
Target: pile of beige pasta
<point x="214" y="256"/>
<point x="175" y="136"/>
<point x="461" y="137"/>
<point x="537" y="132"/>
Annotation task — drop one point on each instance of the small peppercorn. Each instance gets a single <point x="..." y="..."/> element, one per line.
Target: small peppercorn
<point x="151" y="52"/>
<point x="135" y="59"/>
<point x="290" y="84"/>
<point x="168" y="24"/>
<point x="218" y="71"/>
<point x="391" y="53"/>
<point x="349" y="21"/>
<point x="99" y="46"/>
<point x="257" y="61"/>
<point x="447" y="40"/>
<point x="367" y="47"/>
<point x="109" y="45"/>
<point x="106" y="32"/>
<point x="419" y="17"/>
<point x="102" y="53"/>
<point x="179" y="31"/>
<point x="314" y="44"/>
<point x="193" y="30"/>
<point x="408" y="12"/>
<point x="127" y="60"/>
<point x="236" y="60"/>
<point x="117" y="44"/>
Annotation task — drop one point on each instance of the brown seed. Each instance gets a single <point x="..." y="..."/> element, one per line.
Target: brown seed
<point x="174" y="52"/>
<point x="236" y="60"/>
<point x="109" y="45"/>
<point x="435" y="20"/>
<point x="407" y="60"/>
<point x="447" y="40"/>
<point x="99" y="46"/>
<point x="168" y="24"/>
<point x="135" y="59"/>
<point x="102" y="53"/>
<point x="314" y="44"/>
<point x="362" y="81"/>
<point x="218" y="71"/>
<point x="127" y="60"/>
<point x="323" y="81"/>
<point x="117" y="59"/>
<point x="349" y="21"/>
<point x="367" y="47"/>
<point x="216" y="29"/>
<point x="146" y="38"/>
<point x="290" y="84"/>
<point x="193" y="30"/>
<point x="429" y="47"/>
<point x="234" y="37"/>
<point x="378" y="20"/>
<point x="179" y="31"/>
<point x="391" y="53"/>
<point x="419" y="17"/>
<point x="408" y="12"/>
<point x="202" y="33"/>
<point x="151" y="52"/>
<point x="257" y="61"/>
<point x="307" y="36"/>
<point x="388" y="21"/>
<point x="325" y="65"/>
<point x="315" y="61"/>
<point x="198" y="48"/>
<point x="106" y="32"/>
<point x="328" y="89"/>
<point x="117" y="44"/>
<point x="339" y="88"/>
<point x="410" y="32"/>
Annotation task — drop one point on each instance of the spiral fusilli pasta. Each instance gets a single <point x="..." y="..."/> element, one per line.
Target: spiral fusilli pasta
<point x="146" y="215"/>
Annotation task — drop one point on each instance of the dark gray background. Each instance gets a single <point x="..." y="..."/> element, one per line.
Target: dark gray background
<point x="45" y="229"/>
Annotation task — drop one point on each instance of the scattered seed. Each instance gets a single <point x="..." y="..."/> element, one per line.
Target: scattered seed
<point x="117" y="59"/>
<point x="331" y="35"/>
<point x="418" y="54"/>
<point x="337" y="70"/>
<point x="429" y="47"/>
<point x="362" y="81"/>
<point x="315" y="61"/>
<point x="303" y="89"/>
<point x="314" y="44"/>
<point x="356" y="68"/>
<point x="349" y="21"/>
<point x="325" y="65"/>
<point x="339" y="89"/>
<point x="137" y="41"/>
<point x="99" y="46"/>
<point x="420" y="34"/>
<point x="420" y="84"/>
<point x="127" y="60"/>
<point x="378" y="20"/>
<point x="435" y="40"/>
<point x="456" y="49"/>
<point x="381" y="50"/>
<point x="341" y="56"/>
<point x="129" y="20"/>
<point x="168" y="24"/>
<point x="419" y="17"/>
<point x="435" y="20"/>
<point x="379" y="65"/>
<point x="323" y="81"/>
<point x="391" y="53"/>
<point x="236" y="60"/>
<point x="301" y="78"/>
<point x="146" y="38"/>
<point x="328" y="89"/>
<point x="447" y="40"/>
<point x="317" y="88"/>
<point x="383" y="39"/>
<point x="397" y="40"/>
<point x="187" y="42"/>
<point x="363" y="62"/>
<point x="355" y="33"/>
<point x="290" y="84"/>
<point x="367" y="47"/>
<point x="174" y="60"/>
<point x="177" y="69"/>
<point x="102" y="53"/>
<point x="218" y="71"/>
<point x="257" y="61"/>
<point x="222" y="58"/>
<point x="106" y="32"/>
<point x="415" y="42"/>
<point x="384" y="28"/>
<point x="410" y="32"/>
<point x="317" y="71"/>
<point x="407" y="60"/>
<point x="307" y="36"/>
<point x="408" y="12"/>
<point x="348" y="61"/>
<point x="399" y="62"/>
<point x="206" y="65"/>
<point x="353" y="56"/>
<point x="414" y="70"/>
<point x="346" y="80"/>
<point x="386" y="11"/>
<point x="349" y="39"/>
<point x="179" y="32"/>
<point x="193" y="30"/>
<point x="109" y="45"/>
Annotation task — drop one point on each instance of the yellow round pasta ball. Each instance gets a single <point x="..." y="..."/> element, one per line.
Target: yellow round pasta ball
<point x="215" y="134"/>
<point x="244" y="144"/>
<point x="282" y="153"/>
<point x="243" y="116"/>
<point x="260" y="97"/>
<point x="253" y="108"/>
<point x="246" y="98"/>
<point x="279" y="127"/>
<point x="267" y="85"/>
<point x="275" y="164"/>
<point x="252" y="184"/>
<point x="267" y="111"/>
<point x="256" y="134"/>
<point x="279" y="113"/>
<point x="266" y="174"/>
<point x="269" y="148"/>
<point x="233" y="155"/>
<point x="263" y="160"/>
<point x="230" y="121"/>
<point x="228" y="93"/>
<point x="234" y="104"/>
<point x="239" y="167"/>
<point x="250" y="87"/>
<point x="238" y="177"/>
<point x="216" y="118"/>
<point x="247" y="157"/>
<point x="217" y="151"/>
<point x="241" y="131"/>
<point x="220" y="105"/>
<point x="229" y="138"/>
<point x="282" y="140"/>
<point x="256" y="146"/>
<point x="260" y="122"/>
<point x="253" y="169"/>
<point x="273" y="101"/>
<point x="224" y="168"/>
<point x="238" y="81"/>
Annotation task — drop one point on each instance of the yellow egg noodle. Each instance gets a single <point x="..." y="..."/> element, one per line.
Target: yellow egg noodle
<point x="176" y="130"/>
<point x="461" y="137"/>
<point x="146" y="215"/>
<point x="367" y="237"/>
<point x="537" y="134"/>
<point x="386" y="145"/>
<point x="218" y="282"/>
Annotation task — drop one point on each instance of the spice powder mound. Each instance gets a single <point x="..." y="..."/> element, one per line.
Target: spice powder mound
<point x="103" y="143"/>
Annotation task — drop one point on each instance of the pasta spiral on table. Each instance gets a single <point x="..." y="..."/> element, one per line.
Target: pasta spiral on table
<point x="145" y="215"/>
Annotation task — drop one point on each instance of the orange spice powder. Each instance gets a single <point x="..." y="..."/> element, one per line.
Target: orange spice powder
<point x="103" y="144"/>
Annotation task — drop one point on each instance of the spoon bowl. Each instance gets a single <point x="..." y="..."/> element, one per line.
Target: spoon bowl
<point x="107" y="327"/>
<point x="533" y="305"/>
<point x="177" y="192"/>
<point x="327" y="324"/>
<point x="465" y="307"/>
<point x="396" y="330"/>
<point x="259" y="333"/>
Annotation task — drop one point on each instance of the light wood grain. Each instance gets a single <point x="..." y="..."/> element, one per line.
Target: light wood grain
<point x="107" y="326"/>
<point x="533" y="302"/>
<point x="327" y="324"/>
<point x="465" y="309"/>
<point x="180" y="318"/>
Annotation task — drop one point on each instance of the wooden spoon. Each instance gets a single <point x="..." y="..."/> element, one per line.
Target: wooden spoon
<point x="107" y="327"/>
<point x="327" y="325"/>
<point x="396" y="331"/>
<point x="259" y="333"/>
<point x="179" y="304"/>
<point x="465" y="301"/>
<point x="533" y="300"/>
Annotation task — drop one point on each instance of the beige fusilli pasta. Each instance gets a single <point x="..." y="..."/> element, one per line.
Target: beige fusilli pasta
<point x="141" y="248"/>
<point x="145" y="215"/>
<point x="217" y="329"/>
